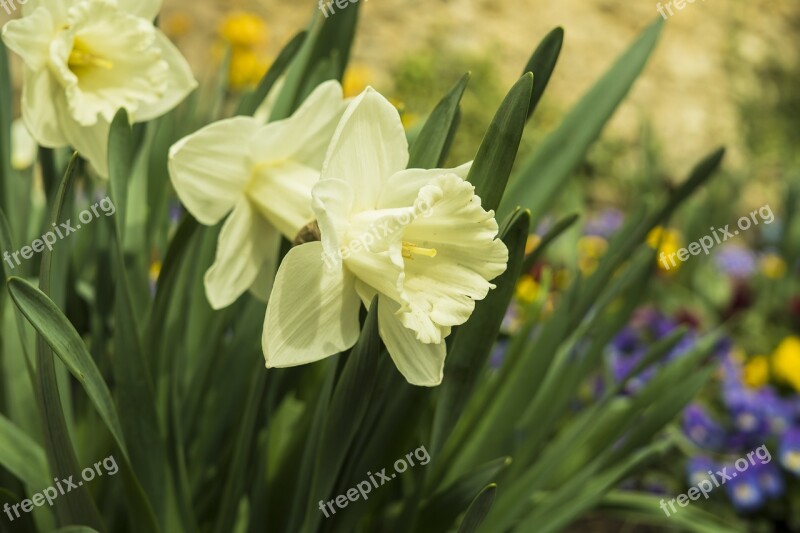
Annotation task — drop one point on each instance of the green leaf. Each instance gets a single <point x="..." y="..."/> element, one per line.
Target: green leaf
<point x="441" y="510"/>
<point x="77" y="506"/>
<point x="22" y="456"/>
<point x="134" y="389"/>
<point x="639" y="507"/>
<point x="250" y="102"/>
<point x="542" y="63"/>
<point x="120" y="163"/>
<point x="495" y="159"/>
<point x="544" y="172"/>
<point x="329" y="41"/>
<point x="60" y="335"/>
<point x="478" y="510"/>
<point x="348" y="407"/>
<point x="245" y="443"/>
<point x="429" y="148"/>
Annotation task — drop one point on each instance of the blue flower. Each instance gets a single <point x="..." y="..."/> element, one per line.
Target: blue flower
<point x="698" y="468"/>
<point x="769" y="479"/>
<point x="744" y="490"/>
<point x="736" y="261"/>
<point x="789" y="451"/>
<point x="701" y="429"/>
<point x="605" y="223"/>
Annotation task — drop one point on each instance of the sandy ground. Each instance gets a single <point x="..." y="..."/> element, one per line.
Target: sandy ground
<point x="689" y="89"/>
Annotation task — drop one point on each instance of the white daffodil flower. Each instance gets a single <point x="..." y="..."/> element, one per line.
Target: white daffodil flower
<point x="85" y="60"/>
<point x="418" y="238"/>
<point x="262" y="175"/>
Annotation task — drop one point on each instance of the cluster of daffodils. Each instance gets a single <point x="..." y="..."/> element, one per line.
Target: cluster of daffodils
<point x="332" y="179"/>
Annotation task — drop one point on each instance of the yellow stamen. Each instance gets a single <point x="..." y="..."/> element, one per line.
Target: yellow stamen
<point x="411" y="249"/>
<point x="82" y="57"/>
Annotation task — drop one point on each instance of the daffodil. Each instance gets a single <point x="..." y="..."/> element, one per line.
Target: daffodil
<point x="85" y="60"/>
<point x="262" y="175"/>
<point x="417" y="238"/>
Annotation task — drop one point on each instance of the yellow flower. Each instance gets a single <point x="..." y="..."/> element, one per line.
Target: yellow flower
<point x="246" y="69"/>
<point x="244" y="30"/>
<point x="786" y="361"/>
<point x="155" y="270"/>
<point x="772" y="266"/>
<point x="756" y="372"/>
<point x="590" y="249"/>
<point x="668" y="242"/>
<point x="527" y="289"/>
<point x="355" y="80"/>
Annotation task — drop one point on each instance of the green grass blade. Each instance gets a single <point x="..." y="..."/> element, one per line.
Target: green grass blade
<point x="542" y="63"/>
<point x="498" y="151"/>
<point x="544" y="172"/>
<point x="478" y="510"/>
<point x="429" y="148"/>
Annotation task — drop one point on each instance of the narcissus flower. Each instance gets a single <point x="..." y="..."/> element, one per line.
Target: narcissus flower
<point x="262" y="175"/>
<point x="85" y="60"/>
<point x="418" y="238"/>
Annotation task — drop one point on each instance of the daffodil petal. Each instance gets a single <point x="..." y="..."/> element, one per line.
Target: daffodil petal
<point x="311" y="127"/>
<point x="147" y="9"/>
<point x="421" y="364"/>
<point x="210" y="168"/>
<point x="30" y="37"/>
<point x="369" y="145"/>
<point x="402" y="188"/>
<point x="180" y="81"/>
<point x="282" y="193"/>
<point x="262" y="285"/>
<point x="245" y="243"/>
<point x="331" y="202"/>
<point x="40" y="92"/>
<point x="90" y="141"/>
<point x="312" y="312"/>
<point x="304" y="136"/>
<point x="58" y="8"/>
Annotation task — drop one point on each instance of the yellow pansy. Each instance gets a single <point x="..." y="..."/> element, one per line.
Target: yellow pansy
<point x="527" y="289"/>
<point x="756" y="372"/>
<point x="243" y="30"/>
<point x="668" y="241"/>
<point x="246" y="69"/>
<point x="786" y="361"/>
